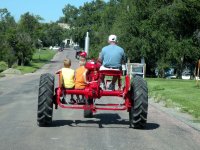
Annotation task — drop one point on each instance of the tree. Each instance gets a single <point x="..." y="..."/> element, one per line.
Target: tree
<point x="70" y="15"/>
<point x="24" y="48"/>
<point x="86" y="18"/>
<point x="51" y="34"/>
<point x="30" y="24"/>
<point x="7" y="26"/>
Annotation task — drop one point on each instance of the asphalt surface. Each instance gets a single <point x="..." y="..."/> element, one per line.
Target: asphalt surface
<point x="108" y="130"/>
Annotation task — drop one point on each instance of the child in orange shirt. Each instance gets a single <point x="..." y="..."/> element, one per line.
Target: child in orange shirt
<point x="80" y="78"/>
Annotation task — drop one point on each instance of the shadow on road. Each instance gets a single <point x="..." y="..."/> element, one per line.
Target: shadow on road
<point x="59" y="123"/>
<point x="101" y="120"/>
<point x="151" y="126"/>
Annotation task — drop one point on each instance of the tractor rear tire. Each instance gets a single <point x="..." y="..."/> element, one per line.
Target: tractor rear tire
<point x="139" y="96"/>
<point x="88" y="112"/>
<point x="45" y="100"/>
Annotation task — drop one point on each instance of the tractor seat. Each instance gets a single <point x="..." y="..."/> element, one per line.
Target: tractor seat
<point x="111" y="72"/>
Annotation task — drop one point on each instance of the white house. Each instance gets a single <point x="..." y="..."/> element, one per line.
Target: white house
<point x="68" y="41"/>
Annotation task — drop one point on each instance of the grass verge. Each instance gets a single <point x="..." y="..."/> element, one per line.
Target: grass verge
<point x="182" y="94"/>
<point x="39" y="59"/>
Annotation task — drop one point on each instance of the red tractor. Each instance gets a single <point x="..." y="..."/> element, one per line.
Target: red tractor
<point x="134" y="92"/>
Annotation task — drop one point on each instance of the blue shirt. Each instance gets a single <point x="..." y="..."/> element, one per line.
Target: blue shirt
<point x="112" y="56"/>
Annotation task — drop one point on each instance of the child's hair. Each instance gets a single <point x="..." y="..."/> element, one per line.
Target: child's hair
<point x="67" y="62"/>
<point x="82" y="61"/>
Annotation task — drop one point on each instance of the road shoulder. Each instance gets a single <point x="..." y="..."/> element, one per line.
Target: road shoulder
<point x="183" y="117"/>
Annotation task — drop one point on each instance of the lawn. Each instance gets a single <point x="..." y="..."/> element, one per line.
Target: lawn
<point x="39" y="59"/>
<point x="183" y="94"/>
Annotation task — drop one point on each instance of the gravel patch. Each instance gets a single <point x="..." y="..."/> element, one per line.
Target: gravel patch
<point x="11" y="71"/>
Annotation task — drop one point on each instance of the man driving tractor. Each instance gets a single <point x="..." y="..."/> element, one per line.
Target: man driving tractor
<point x="111" y="57"/>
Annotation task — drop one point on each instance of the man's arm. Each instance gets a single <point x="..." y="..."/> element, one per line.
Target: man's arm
<point x="100" y="60"/>
<point x="124" y="58"/>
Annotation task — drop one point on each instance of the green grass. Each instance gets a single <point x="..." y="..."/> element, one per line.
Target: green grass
<point x="2" y="75"/>
<point x="176" y="93"/>
<point x="39" y="59"/>
<point x="3" y="66"/>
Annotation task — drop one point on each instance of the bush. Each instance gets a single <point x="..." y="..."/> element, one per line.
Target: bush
<point x="3" y="66"/>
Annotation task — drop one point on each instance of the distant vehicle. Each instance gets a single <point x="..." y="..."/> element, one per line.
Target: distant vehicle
<point x="78" y="54"/>
<point x="170" y="73"/>
<point x="187" y="76"/>
<point x="56" y="48"/>
<point x="60" y="49"/>
<point x="171" y="77"/>
<point x="76" y="47"/>
<point x="78" y="51"/>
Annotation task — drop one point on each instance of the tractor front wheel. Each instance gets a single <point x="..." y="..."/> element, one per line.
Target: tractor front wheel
<point x="45" y="100"/>
<point x="139" y="97"/>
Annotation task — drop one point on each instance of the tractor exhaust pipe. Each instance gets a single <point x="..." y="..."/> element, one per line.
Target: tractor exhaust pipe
<point x="87" y="40"/>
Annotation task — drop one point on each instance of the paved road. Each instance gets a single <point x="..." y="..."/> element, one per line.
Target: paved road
<point x="108" y="130"/>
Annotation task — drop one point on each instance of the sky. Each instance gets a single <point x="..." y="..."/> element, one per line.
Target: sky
<point x="49" y="10"/>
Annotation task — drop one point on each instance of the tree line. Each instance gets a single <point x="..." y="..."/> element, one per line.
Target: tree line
<point x="166" y="33"/>
<point x="19" y="40"/>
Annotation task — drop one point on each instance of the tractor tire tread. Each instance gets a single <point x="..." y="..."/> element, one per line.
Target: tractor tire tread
<point x="139" y="97"/>
<point x="45" y="99"/>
